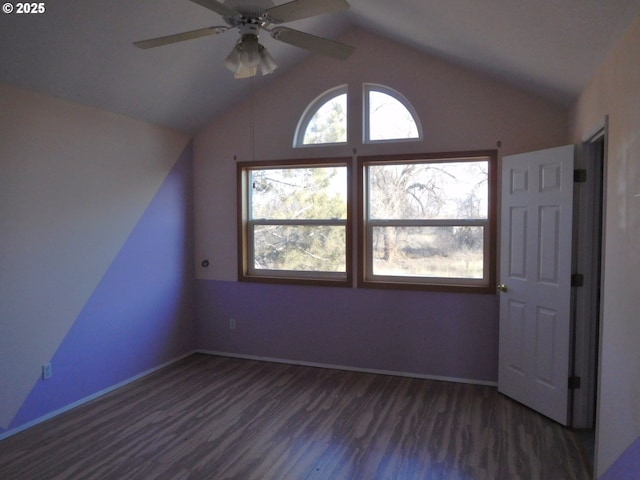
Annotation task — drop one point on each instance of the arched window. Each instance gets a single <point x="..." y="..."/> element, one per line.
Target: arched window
<point x="388" y="116"/>
<point x="324" y="122"/>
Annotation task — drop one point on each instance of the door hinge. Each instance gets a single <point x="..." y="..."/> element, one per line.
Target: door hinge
<point x="579" y="175"/>
<point x="574" y="382"/>
<point x="577" y="280"/>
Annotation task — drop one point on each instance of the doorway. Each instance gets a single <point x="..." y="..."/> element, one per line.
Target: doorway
<point x="586" y="295"/>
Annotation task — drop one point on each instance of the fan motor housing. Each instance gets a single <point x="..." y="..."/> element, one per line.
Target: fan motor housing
<point x="250" y="10"/>
<point x="249" y="29"/>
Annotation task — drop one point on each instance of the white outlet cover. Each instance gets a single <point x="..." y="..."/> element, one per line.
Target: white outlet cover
<point x="47" y="371"/>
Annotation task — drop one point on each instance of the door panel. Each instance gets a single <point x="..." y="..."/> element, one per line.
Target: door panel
<point x="535" y="306"/>
<point x="549" y="240"/>
<point x="516" y="327"/>
<point x="518" y="243"/>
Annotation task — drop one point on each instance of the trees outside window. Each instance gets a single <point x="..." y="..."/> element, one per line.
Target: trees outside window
<point x="388" y="116"/>
<point x="425" y="221"/>
<point x="294" y="221"/>
<point x="428" y="221"/>
<point x="324" y="121"/>
<point x="329" y="123"/>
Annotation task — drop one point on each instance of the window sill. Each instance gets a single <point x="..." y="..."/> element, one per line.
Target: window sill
<point x="433" y="287"/>
<point x="283" y="280"/>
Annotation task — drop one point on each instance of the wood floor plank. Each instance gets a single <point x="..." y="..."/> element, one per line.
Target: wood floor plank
<point x="209" y="417"/>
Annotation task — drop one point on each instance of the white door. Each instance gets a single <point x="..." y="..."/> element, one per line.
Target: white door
<point x="535" y="279"/>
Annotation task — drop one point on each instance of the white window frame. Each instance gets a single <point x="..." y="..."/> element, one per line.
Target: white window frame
<point x="310" y="112"/>
<point x="373" y="87"/>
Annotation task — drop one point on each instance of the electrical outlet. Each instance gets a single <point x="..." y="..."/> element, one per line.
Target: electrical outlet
<point x="232" y="324"/>
<point x="47" y="371"/>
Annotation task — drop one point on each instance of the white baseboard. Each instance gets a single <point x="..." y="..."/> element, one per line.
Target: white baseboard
<point x="351" y="369"/>
<point x="82" y="401"/>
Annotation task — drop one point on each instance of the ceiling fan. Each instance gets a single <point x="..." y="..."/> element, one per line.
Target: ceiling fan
<point x="251" y="16"/>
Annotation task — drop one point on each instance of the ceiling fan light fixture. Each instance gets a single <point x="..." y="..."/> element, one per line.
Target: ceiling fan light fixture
<point x="246" y="72"/>
<point x="250" y="51"/>
<point x="248" y="56"/>
<point x="232" y="62"/>
<point x="267" y="63"/>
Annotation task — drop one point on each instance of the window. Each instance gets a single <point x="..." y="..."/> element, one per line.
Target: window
<point x="428" y="221"/>
<point x="388" y="116"/>
<point x="294" y="221"/>
<point x="425" y="221"/>
<point x="324" y="122"/>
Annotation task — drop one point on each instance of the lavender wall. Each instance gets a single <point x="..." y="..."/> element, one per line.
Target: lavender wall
<point x="96" y="251"/>
<point x="627" y="466"/>
<point x="442" y="335"/>
<point x="401" y="331"/>
<point x="140" y="315"/>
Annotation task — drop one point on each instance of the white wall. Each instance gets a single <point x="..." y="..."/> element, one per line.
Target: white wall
<point x="74" y="181"/>
<point x="615" y="91"/>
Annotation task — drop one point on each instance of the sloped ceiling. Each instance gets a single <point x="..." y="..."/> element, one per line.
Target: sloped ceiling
<point x="81" y="50"/>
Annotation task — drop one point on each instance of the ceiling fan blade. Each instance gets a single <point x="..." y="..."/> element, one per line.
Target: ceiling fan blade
<point x="179" y="37"/>
<point x="218" y="7"/>
<point x="312" y="43"/>
<point x="298" y="9"/>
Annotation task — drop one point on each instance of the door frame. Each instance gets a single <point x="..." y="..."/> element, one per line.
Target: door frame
<point x="587" y="300"/>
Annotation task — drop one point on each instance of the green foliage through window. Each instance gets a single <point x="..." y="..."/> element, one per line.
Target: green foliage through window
<point x="329" y="124"/>
<point x="428" y="221"/>
<point x="296" y="221"/>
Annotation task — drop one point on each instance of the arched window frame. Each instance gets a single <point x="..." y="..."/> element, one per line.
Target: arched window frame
<point x="310" y="112"/>
<point x="372" y="87"/>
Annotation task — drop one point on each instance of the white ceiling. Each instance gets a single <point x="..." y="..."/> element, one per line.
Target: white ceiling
<point x="80" y="50"/>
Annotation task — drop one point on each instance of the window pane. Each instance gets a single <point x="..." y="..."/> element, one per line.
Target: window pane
<point x="314" y="193"/>
<point x="429" y="190"/>
<point x="389" y="119"/>
<point x="448" y="252"/>
<point x="329" y="124"/>
<point x="300" y="248"/>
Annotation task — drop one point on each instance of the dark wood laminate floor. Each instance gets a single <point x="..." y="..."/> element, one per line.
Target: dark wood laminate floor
<point x="218" y="418"/>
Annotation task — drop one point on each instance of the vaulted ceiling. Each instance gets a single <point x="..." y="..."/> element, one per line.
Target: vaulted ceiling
<point x="81" y="50"/>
